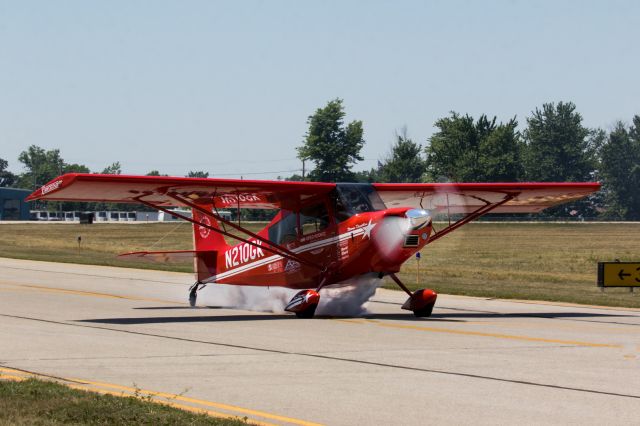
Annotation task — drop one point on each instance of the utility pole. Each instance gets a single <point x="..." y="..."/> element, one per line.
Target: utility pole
<point x="60" y="202"/>
<point x="303" y="169"/>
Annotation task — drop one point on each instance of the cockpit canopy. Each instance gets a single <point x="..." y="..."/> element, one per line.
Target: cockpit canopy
<point x="350" y="199"/>
<point x="354" y="198"/>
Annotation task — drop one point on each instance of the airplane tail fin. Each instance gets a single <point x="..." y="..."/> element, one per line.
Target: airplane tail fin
<point x="206" y="243"/>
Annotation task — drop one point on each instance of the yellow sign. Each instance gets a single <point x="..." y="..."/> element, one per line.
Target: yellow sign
<point x="619" y="274"/>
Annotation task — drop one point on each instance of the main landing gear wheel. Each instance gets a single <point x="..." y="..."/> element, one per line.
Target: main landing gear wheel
<point x="307" y="313"/>
<point x="420" y="302"/>
<point x="193" y="293"/>
<point x="423" y="312"/>
<point x="304" y="303"/>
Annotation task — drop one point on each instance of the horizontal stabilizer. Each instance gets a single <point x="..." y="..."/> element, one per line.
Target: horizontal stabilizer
<point x="166" y="256"/>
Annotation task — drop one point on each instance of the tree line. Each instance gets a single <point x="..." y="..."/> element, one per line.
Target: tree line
<point x="554" y="146"/>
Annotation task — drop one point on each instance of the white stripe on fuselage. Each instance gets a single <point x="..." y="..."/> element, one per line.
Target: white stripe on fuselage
<point x="276" y="257"/>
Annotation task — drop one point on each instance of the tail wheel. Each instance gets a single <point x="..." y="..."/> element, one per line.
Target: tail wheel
<point x="193" y="293"/>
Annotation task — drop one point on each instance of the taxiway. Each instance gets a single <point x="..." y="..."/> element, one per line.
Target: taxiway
<point x="475" y="360"/>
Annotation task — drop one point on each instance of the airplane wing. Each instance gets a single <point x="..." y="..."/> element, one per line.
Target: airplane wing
<point x="168" y="191"/>
<point x="457" y="198"/>
<point x="473" y="200"/>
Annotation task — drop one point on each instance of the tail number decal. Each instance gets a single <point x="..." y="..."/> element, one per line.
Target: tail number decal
<point x="242" y="253"/>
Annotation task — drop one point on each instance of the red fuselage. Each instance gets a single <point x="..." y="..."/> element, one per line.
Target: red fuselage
<point x="376" y="241"/>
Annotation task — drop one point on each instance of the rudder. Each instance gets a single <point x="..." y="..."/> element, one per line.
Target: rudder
<point x="207" y="243"/>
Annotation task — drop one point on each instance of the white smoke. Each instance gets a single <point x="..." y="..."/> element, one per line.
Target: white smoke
<point x="348" y="298"/>
<point x="351" y="298"/>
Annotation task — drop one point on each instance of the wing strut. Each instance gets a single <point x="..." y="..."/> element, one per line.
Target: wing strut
<point x="238" y="227"/>
<point x="468" y="218"/>
<point x="273" y="248"/>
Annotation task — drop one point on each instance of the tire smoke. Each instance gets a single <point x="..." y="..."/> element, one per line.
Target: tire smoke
<point x="348" y="298"/>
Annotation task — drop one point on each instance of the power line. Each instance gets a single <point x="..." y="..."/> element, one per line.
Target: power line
<point x="256" y="173"/>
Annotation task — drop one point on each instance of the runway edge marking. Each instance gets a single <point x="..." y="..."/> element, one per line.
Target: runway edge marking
<point x="99" y="387"/>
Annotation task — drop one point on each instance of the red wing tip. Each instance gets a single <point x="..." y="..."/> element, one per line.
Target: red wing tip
<point x="51" y="186"/>
<point x="33" y="196"/>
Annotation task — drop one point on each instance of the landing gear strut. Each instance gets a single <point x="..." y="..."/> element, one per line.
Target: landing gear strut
<point x="421" y="301"/>
<point x="193" y="292"/>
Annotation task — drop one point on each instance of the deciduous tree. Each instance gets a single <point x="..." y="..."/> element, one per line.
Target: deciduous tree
<point x="404" y="163"/>
<point x="620" y="171"/>
<point x="558" y="146"/>
<point x="464" y="150"/>
<point x="156" y="173"/>
<point x="198" y="174"/>
<point x="6" y="177"/>
<point x="112" y="169"/>
<point x="331" y="145"/>
<point x="41" y="166"/>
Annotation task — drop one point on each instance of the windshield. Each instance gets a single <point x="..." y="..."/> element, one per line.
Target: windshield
<point x="354" y="198"/>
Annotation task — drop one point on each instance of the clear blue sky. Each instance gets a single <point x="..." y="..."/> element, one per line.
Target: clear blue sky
<point x="227" y="87"/>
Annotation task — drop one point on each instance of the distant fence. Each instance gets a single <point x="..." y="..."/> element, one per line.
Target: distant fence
<point x="112" y="216"/>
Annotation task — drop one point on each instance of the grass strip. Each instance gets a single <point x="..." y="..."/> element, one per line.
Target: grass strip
<point x="38" y="402"/>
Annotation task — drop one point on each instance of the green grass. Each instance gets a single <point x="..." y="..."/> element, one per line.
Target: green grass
<point x="539" y="261"/>
<point x="38" y="402"/>
<point x="100" y="243"/>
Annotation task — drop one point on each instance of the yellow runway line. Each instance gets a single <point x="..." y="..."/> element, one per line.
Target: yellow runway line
<point x="168" y="403"/>
<point x="86" y="293"/>
<point x="497" y="335"/>
<point x="14" y="371"/>
<point x="481" y="334"/>
<point x="574" y="326"/>
<point x="203" y="402"/>
<point x="4" y="376"/>
<point x="119" y="390"/>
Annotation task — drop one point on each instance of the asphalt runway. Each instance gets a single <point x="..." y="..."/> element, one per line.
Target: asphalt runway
<point x="475" y="360"/>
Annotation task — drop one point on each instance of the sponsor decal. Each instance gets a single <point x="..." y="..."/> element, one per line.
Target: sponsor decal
<point x="358" y="226"/>
<point x="240" y="198"/>
<point x="277" y="262"/>
<point x="51" y="187"/>
<point x="292" y="266"/>
<point x="313" y="237"/>
<point x="343" y="252"/>
<point x="243" y="253"/>
<point x="204" y="231"/>
<point x="275" y="267"/>
<point x="367" y="229"/>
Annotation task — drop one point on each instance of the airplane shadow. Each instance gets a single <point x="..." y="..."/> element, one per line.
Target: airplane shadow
<point x="189" y="319"/>
<point x="168" y="308"/>
<point x="400" y="316"/>
<point x="549" y="315"/>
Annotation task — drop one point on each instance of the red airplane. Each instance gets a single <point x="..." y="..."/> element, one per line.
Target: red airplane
<point x="323" y="233"/>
